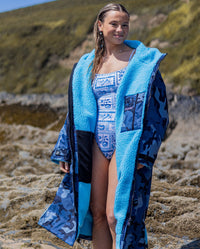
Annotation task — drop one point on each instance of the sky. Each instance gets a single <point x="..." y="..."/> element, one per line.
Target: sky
<point x="7" y="5"/>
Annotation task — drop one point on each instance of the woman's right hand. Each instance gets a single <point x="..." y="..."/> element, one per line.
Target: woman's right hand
<point x="64" y="167"/>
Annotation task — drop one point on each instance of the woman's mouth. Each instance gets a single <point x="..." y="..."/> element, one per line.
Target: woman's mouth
<point x="118" y="36"/>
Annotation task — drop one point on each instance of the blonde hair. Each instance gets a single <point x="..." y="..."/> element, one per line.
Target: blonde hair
<point x="98" y="36"/>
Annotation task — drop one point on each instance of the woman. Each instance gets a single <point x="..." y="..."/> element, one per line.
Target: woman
<point x="109" y="142"/>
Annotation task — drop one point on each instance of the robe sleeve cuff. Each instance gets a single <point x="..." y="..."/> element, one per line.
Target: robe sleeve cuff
<point x="60" y="154"/>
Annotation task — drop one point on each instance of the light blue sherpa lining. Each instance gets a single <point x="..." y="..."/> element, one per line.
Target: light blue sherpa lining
<point x="84" y="102"/>
<point x="136" y="79"/>
<point x="85" y="112"/>
<point x="84" y="218"/>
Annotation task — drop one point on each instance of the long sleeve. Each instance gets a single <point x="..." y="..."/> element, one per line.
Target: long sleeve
<point x="155" y="123"/>
<point x="61" y="150"/>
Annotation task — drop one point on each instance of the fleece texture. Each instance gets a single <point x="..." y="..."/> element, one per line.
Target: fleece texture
<point x="135" y="82"/>
<point x="69" y="217"/>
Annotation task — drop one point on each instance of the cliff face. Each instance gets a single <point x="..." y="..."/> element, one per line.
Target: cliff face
<point x="36" y="42"/>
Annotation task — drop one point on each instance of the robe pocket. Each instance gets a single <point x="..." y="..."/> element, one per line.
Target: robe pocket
<point x="133" y="108"/>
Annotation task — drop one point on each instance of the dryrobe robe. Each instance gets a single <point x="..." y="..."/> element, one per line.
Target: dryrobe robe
<point x="69" y="216"/>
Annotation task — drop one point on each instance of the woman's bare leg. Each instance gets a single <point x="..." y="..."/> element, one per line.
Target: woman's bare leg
<point x="99" y="186"/>
<point x="112" y="184"/>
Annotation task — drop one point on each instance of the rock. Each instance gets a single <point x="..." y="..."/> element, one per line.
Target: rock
<point x="184" y="107"/>
<point x="53" y="101"/>
<point x="159" y="44"/>
<point x="29" y="180"/>
<point x="156" y="20"/>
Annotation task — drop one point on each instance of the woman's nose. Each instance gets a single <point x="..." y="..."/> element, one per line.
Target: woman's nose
<point x="119" y="28"/>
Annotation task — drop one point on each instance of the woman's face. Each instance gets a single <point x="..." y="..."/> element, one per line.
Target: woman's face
<point x="115" y="27"/>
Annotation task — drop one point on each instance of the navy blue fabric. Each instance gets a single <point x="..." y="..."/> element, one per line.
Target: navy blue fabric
<point x="135" y="231"/>
<point x="155" y="122"/>
<point x="61" y="217"/>
<point x="137" y="79"/>
<point x="133" y="106"/>
<point x="131" y="141"/>
<point x="85" y="141"/>
<point x="61" y="150"/>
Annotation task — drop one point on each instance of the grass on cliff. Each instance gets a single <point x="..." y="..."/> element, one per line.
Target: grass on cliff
<point x="34" y="40"/>
<point x="182" y="30"/>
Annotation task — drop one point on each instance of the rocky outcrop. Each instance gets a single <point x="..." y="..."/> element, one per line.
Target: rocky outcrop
<point x="29" y="179"/>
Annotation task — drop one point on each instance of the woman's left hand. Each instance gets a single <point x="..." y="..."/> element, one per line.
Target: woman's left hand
<point x="140" y="166"/>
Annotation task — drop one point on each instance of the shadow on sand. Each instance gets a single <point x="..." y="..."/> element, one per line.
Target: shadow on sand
<point x="192" y="245"/>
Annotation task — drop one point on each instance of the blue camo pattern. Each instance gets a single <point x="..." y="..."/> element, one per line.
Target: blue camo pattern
<point x="134" y="230"/>
<point x="155" y="123"/>
<point x="61" y="217"/>
<point x="61" y="150"/>
<point x="133" y="106"/>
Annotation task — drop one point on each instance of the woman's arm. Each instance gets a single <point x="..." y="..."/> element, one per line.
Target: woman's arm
<point x="155" y="123"/>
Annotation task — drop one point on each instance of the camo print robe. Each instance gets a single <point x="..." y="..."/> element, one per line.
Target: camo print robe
<point x="61" y="217"/>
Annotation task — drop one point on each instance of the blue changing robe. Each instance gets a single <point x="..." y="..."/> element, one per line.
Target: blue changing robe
<point x="139" y="132"/>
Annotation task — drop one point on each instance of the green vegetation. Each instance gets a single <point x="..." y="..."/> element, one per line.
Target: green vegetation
<point x="34" y="40"/>
<point x="182" y="31"/>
